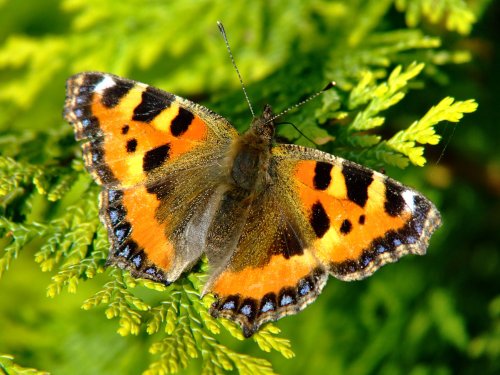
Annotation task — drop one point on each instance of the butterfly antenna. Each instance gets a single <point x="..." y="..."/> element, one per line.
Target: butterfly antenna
<point x="326" y="88"/>
<point x="298" y="130"/>
<point x="447" y="143"/>
<point x="223" y="33"/>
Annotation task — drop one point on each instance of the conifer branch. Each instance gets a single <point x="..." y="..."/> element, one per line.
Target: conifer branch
<point x="48" y="200"/>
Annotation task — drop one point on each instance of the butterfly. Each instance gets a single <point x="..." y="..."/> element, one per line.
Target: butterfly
<point x="274" y="220"/>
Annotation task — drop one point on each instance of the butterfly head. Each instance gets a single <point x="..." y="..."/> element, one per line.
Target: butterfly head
<point x="263" y="126"/>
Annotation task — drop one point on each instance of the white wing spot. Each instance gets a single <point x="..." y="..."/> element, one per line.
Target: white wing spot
<point x="409" y="196"/>
<point x="106" y="83"/>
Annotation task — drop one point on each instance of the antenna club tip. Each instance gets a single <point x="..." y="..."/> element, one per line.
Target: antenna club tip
<point x="221" y="27"/>
<point x="330" y="85"/>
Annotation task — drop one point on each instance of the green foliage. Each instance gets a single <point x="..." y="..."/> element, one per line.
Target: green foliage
<point x="455" y="13"/>
<point x="187" y="328"/>
<point x="366" y="102"/>
<point x="423" y="131"/>
<point x="488" y="343"/>
<point x="285" y="50"/>
<point x="8" y="366"/>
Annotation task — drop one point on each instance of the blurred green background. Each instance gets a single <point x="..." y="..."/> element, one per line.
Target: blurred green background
<point x="437" y="314"/>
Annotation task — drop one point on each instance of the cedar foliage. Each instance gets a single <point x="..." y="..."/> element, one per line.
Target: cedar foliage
<point x="380" y="52"/>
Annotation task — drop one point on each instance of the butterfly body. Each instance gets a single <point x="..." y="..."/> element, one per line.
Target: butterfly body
<point x="274" y="221"/>
<point x="252" y="155"/>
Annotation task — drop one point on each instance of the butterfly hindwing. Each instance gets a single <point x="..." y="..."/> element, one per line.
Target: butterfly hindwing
<point x="270" y="273"/>
<point x="152" y="232"/>
<point x="135" y="234"/>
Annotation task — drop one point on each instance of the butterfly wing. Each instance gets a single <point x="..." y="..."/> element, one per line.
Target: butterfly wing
<point x="158" y="157"/>
<point x="135" y="132"/>
<point x="321" y="215"/>
<point x="271" y="272"/>
<point x="360" y="219"/>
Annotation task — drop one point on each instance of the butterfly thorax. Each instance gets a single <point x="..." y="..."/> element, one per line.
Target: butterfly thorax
<point x="250" y="166"/>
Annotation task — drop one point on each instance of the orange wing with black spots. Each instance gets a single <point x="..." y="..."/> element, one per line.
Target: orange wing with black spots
<point x="133" y="130"/>
<point x="360" y="219"/>
<point x="141" y="145"/>
<point x="272" y="272"/>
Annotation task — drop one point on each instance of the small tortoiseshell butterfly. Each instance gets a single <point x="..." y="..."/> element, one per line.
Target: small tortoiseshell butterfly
<point x="274" y="220"/>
